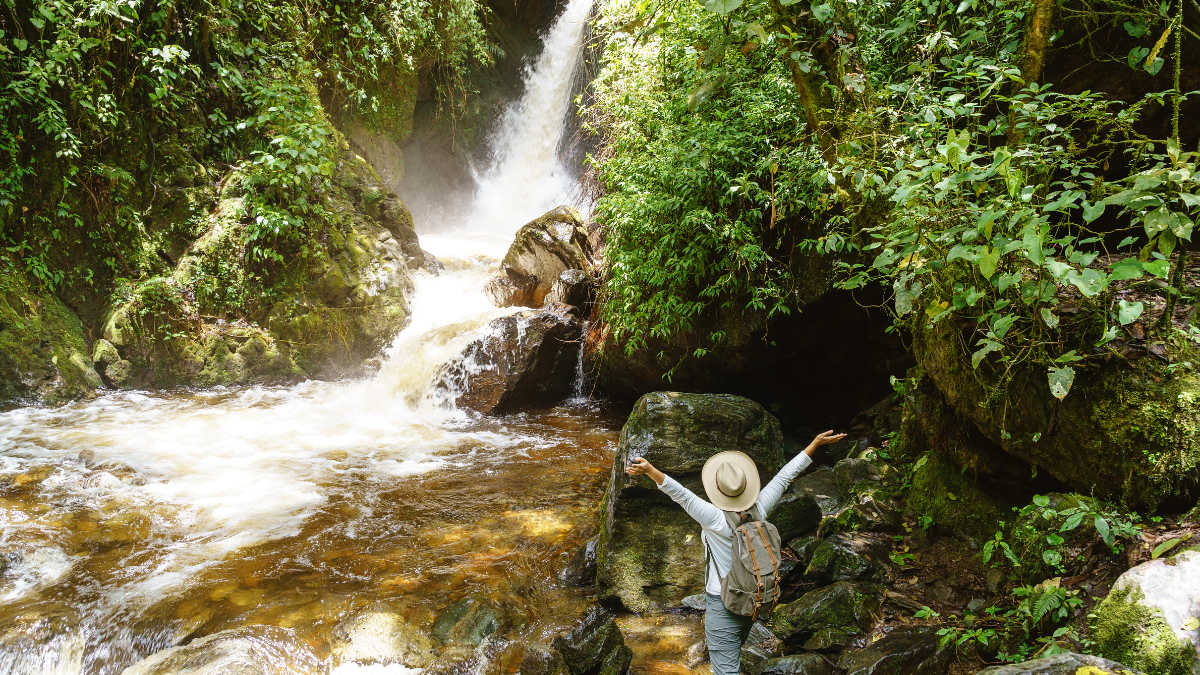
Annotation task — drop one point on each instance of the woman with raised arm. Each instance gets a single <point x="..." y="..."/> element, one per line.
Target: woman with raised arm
<point x="732" y="484"/>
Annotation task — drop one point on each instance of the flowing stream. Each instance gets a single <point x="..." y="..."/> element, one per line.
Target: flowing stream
<point x="140" y="520"/>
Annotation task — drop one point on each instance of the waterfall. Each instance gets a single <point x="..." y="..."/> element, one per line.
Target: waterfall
<point x="528" y="177"/>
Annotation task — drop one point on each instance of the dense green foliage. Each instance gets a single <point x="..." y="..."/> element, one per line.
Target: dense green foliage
<point x="919" y="144"/>
<point x="105" y="106"/>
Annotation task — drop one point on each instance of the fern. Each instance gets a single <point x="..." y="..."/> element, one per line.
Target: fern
<point x="1047" y="601"/>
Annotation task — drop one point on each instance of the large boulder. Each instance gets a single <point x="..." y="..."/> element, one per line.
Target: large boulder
<point x="849" y="557"/>
<point x="1062" y="664"/>
<point x="833" y="616"/>
<point x="649" y="555"/>
<point x="1151" y="617"/>
<point x="904" y="651"/>
<point x="527" y="358"/>
<point x="44" y="356"/>
<point x="1084" y="440"/>
<point x="248" y="650"/>
<point x="594" y="647"/>
<point x="541" y="251"/>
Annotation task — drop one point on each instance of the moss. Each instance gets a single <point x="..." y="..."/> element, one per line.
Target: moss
<point x="44" y="354"/>
<point x="1127" y="632"/>
<point x="958" y="501"/>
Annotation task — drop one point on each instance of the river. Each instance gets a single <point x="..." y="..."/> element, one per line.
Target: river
<point x="139" y="520"/>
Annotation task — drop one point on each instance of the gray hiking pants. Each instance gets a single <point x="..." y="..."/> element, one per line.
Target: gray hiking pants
<point x="725" y="633"/>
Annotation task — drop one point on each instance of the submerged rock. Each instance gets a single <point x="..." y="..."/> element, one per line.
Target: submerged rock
<point x="466" y="623"/>
<point x="541" y="251"/>
<point x="650" y="556"/>
<point x="380" y="637"/>
<point x="41" y="641"/>
<point x="1062" y="664"/>
<point x="522" y="359"/>
<point x="542" y="660"/>
<point x="1151" y="617"/>
<point x="248" y="650"/>
<point x="595" y="647"/>
<point x="904" y="651"/>
<point x="844" y="606"/>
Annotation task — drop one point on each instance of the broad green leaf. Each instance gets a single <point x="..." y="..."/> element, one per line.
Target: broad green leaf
<point x="1165" y="546"/>
<point x="700" y="94"/>
<point x="1072" y="522"/>
<point x="1129" y="312"/>
<point x="820" y="12"/>
<point x="905" y="296"/>
<point x="1181" y="226"/>
<point x="1060" y="381"/>
<point x="1129" y="268"/>
<point x="1000" y="326"/>
<point x="786" y="3"/>
<point x="757" y="30"/>
<point x="1109" y="336"/>
<point x="989" y="346"/>
<point x="1092" y="211"/>
<point x="1090" y="282"/>
<point x="722" y="7"/>
<point x="1156" y="221"/>
<point x="1190" y="200"/>
<point x="1057" y="268"/>
<point x="21" y="45"/>
<point x="1051" y="557"/>
<point x="988" y="260"/>
<point x="1159" y="268"/>
<point x="1166" y="242"/>
<point x="1041" y="501"/>
<point x="1103" y="529"/>
<point x="1049" y="317"/>
<point x="1173" y="149"/>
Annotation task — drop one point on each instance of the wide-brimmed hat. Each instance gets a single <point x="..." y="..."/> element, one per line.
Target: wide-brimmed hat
<point x="731" y="480"/>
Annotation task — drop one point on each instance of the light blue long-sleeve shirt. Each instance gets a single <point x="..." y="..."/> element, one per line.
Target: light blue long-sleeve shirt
<point x="716" y="533"/>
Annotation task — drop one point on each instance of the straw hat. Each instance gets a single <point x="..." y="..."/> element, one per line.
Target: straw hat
<point x="731" y="480"/>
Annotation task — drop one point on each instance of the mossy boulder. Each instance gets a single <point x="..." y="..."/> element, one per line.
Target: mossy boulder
<point x="907" y="650"/>
<point x="1125" y="432"/>
<point x="1151" y="618"/>
<point x="595" y="646"/>
<point x="44" y="353"/>
<point x="846" y="607"/>
<point x="959" y="502"/>
<point x="1062" y="664"/>
<point x="849" y="557"/>
<point x="650" y="556"/>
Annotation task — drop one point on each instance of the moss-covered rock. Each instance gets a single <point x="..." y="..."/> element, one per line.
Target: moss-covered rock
<point x="650" y="556"/>
<point x="44" y="355"/>
<point x="958" y="501"/>
<point x="1150" y="620"/>
<point x="1125" y="432"/>
<point x="844" y="606"/>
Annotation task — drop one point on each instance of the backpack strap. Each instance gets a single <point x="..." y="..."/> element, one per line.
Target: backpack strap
<point x="774" y="563"/>
<point x="758" y="592"/>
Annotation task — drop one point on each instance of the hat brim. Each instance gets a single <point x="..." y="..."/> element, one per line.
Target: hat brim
<point x="741" y="460"/>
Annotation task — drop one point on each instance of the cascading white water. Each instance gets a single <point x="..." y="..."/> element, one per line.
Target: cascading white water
<point x="127" y="504"/>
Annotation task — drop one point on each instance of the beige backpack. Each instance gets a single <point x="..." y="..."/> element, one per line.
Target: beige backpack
<point x="753" y="579"/>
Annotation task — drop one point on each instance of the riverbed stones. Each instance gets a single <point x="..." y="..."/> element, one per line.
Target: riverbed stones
<point x="247" y="650"/>
<point x="844" y="606"/>
<point x="380" y="637"/>
<point x="41" y="640"/>
<point x="1062" y="664"/>
<point x="541" y="251"/>
<point x="650" y="555"/>
<point x="466" y="623"/>
<point x="527" y="358"/>
<point x="539" y="659"/>
<point x="904" y="651"/>
<point x="595" y="646"/>
<point x="581" y="570"/>
<point x="849" y="557"/>
<point x="1150" y="620"/>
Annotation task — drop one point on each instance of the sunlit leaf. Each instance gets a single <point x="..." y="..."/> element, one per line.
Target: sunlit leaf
<point x="987" y="261"/>
<point x="722" y="7"/>
<point x="1049" y="317"/>
<point x="1165" y="546"/>
<point x="822" y="12"/>
<point x="1129" y="312"/>
<point x="1060" y="381"/>
<point x="1089" y="282"/>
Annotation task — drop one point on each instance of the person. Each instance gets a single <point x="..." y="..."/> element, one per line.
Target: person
<point x="732" y="483"/>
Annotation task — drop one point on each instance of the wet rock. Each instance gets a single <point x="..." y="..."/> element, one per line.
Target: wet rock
<point x="760" y="646"/>
<point x="380" y="637"/>
<point x="35" y="642"/>
<point x="595" y="646"/>
<point x="650" y="556"/>
<point x="697" y="602"/>
<point x="1062" y="664"/>
<point x="43" y="350"/>
<point x="541" y="251"/>
<point x="248" y="650"/>
<point x="995" y="580"/>
<point x="843" y="605"/>
<point x="527" y="358"/>
<point x="833" y="639"/>
<point x="941" y="591"/>
<point x="820" y="485"/>
<point x="1150" y="620"/>
<point x="697" y="655"/>
<point x="850" y="473"/>
<point x="466" y="622"/>
<point x="543" y="660"/>
<point x="572" y="287"/>
<point x="797" y="664"/>
<point x="849" y="557"/>
<point x="904" y="651"/>
<point x="581" y="570"/>
<point x="794" y="515"/>
<point x="804" y="547"/>
<point x="431" y="264"/>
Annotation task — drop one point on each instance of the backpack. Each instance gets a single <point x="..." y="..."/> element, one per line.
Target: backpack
<point x="753" y="579"/>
